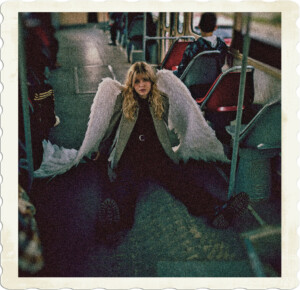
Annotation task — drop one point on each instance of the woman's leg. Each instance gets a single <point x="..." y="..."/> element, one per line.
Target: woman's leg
<point x="192" y="193"/>
<point x="186" y="188"/>
<point x="117" y="209"/>
<point x="125" y="193"/>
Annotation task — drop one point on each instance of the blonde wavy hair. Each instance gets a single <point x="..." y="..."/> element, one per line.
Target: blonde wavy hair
<point x="130" y="102"/>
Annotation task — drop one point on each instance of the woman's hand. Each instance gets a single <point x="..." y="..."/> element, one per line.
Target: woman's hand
<point x="111" y="174"/>
<point x="97" y="156"/>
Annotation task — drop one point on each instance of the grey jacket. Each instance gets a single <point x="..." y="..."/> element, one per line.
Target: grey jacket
<point x="115" y="147"/>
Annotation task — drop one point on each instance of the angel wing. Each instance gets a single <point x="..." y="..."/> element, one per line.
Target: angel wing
<point x="101" y="113"/>
<point x="197" y="138"/>
<point x="58" y="160"/>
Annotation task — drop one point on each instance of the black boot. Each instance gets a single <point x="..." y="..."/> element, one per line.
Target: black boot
<point x="109" y="216"/>
<point x="229" y="211"/>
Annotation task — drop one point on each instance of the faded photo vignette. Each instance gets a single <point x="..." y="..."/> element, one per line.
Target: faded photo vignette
<point x="51" y="72"/>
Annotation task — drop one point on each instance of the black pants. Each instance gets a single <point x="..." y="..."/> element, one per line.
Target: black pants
<point x="113" y="32"/>
<point x="178" y="181"/>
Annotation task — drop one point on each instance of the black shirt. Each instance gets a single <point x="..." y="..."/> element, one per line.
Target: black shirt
<point x="143" y="147"/>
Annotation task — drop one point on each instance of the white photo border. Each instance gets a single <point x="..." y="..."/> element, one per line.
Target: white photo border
<point x="9" y="145"/>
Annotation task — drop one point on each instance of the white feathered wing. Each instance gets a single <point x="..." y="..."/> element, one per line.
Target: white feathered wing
<point x="58" y="160"/>
<point x="101" y="113"/>
<point x="197" y="138"/>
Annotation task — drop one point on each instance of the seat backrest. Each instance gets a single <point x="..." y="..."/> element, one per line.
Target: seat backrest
<point x="201" y="72"/>
<point x="224" y="92"/>
<point x="174" y="54"/>
<point x="264" y="130"/>
<point x="136" y="28"/>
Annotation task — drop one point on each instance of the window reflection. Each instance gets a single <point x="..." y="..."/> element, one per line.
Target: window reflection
<point x="167" y="19"/>
<point x="180" y="21"/>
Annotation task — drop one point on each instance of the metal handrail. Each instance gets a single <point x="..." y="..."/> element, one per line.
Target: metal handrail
<point x="169" y="37"/>
<point x="145" y="37"/>
<point x="197" y="56"/>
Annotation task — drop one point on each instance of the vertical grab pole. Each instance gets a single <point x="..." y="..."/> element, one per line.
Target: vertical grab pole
<point x="144" y="35"/>
<point x="25" y="104"/>
<point x="126" y="29"/>
<point x="255" y="262"/>
<point x="239" y="109"/>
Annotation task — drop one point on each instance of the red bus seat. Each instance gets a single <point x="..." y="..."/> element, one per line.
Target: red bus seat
<point x="174" y="54"/>
<point x="223" y="94"/>
<point x="220" y="102"/>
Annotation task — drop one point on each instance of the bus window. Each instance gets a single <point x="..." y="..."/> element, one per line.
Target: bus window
<point x="266" y="27"/>
<point x="195" y="22"/>
<point x="166" y="44"/>
<point x="155" y="15"/>
<point x="180" y="21"/>
<point x="167" y="24"/>
<point x="265" y="33"/>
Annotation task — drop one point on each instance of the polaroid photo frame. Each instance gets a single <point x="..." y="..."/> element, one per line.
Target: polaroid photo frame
<point x="194" y="265"/>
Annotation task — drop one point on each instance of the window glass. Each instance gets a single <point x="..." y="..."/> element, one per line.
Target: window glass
<point x="155" y="15"/>
<point x="166" y="41"/>
<point x="195" y="22"/>
<point x="224" y="26"/>
<point x="266" y="27"/>
<point x="167" y="19"/>
<point x="180" y="20"/>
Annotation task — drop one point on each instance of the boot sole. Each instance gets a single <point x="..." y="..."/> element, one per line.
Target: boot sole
<point x="236" y="206"/>
<point x="109" y="214"/>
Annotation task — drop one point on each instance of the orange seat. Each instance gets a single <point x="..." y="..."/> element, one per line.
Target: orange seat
<point x="174" y="54"/>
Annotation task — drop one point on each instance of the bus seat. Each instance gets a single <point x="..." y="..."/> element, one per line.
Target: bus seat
<point x="174" y="54"/>
<point x="259" y="142"/>
<point x="135" y="39"/>
<point x="136" y="28"/>
<point x="135" y="35"/>
<point x="264" y="130"/>
<point x="201" y="72"/>
<point x="224" y="92"/>
<point x="220" y="102"/>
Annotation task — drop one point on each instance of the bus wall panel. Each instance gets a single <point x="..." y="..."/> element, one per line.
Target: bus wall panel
<point x="67" y="19"/>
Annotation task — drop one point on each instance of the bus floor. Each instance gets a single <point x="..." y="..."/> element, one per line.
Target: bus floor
<point x="165" y="239"/>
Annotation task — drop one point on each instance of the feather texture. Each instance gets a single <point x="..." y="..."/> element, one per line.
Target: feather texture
<point x="58" y="160"/>
<point x="197" y="138"/>
<point x="101" y="113"/>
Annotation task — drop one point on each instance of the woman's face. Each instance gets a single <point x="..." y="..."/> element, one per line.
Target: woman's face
<point x="142" y="86"/>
